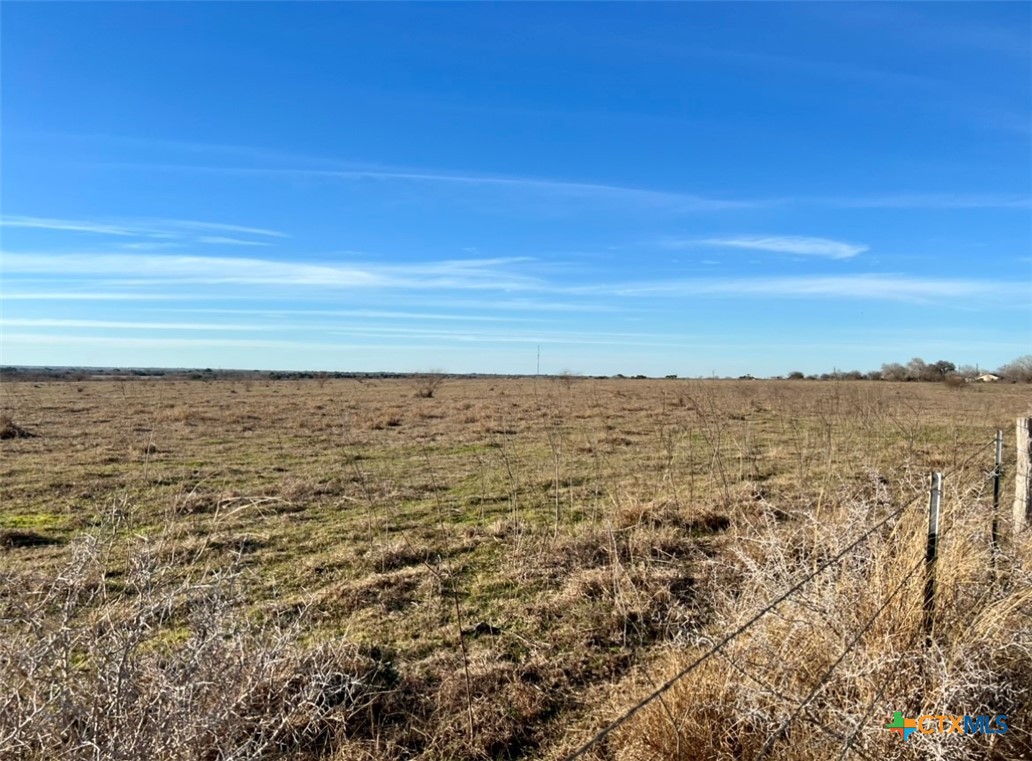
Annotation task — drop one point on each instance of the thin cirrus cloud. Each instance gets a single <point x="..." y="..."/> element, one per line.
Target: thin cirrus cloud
<point x="386" y="335"/>
<point x="499" y="275"/>
<point x="225" y="241"/>
<point x="291" y="166"/>
<point x="874" y="287"/>
<point x="929" y="201"/>
<point x="666" y="200"/>
<point x="782" y="244"/>
<point x="36" y="339"/>
<point x="20" y="322"/>
<point x="67" y="225"/>
<point x="587" y="191"/>
<point x="169" y="269"/>
<point x="204" y="232"/>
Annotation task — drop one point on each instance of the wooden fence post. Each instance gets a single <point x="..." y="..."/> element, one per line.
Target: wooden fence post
<point x="931" y="554"/>
<point x="1023" y="476"/>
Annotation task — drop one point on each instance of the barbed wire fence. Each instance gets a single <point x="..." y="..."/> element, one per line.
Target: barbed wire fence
<point x="938" y="530"/>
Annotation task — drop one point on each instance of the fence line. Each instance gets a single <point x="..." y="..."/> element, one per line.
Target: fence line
<point x="737" y="632"/>
<point x="935" y="536"/>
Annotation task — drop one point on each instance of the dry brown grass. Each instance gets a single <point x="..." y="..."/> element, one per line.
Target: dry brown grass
<point x="495" y="570"/>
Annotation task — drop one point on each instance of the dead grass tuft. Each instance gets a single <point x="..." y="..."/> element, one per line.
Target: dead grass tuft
<point x="11" y="430"/>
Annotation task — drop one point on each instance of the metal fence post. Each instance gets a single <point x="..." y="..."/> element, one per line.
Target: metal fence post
<point x="997" y="476"/>
<point x="931" y="554"/>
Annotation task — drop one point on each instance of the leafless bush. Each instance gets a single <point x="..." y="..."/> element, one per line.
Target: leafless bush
<point x="169" y="668"/>
<point x="428" y="383"/>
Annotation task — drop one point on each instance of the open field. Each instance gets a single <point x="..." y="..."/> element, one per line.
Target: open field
<point x="350" y="569"/>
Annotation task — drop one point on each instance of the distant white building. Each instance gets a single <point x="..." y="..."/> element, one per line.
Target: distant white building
<point x="987" y="378"/>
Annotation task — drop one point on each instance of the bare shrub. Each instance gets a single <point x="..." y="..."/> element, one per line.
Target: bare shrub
<point x="173" y="668"/>
<point x="428" y="383"/>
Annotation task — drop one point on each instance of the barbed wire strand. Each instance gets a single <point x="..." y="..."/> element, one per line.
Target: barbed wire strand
<point x="785" y="698"/>
<point x="826" y="676"/>
<point x="738" y="631"/>
<point x="979" y="449"/>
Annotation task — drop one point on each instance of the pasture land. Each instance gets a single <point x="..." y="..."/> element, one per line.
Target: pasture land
<point x="350" y="569"/>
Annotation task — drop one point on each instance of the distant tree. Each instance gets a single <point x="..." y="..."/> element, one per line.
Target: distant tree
<point x="796" y="375"/>
<point x="1019" y="369"/>
<point x="893" y="371"/>
<point x="874" y="375"/>
<point x="917" y="369"/>
<point x="944" y="368"/>
<point x="967" y="371"/>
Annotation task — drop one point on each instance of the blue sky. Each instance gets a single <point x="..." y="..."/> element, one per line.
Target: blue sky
<point x="635" y="188"/>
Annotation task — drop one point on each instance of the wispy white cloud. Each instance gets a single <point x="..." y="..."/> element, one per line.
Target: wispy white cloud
<point x="875" y="287"/>
<point x="331" y="335"/>
<point x="378" y="314"/>
<point x="782" y="244"/>
<point x="670" y="201"/>
<point x="224" y="241"/>
<point x="66" y="225"/>
<point x="909" y="25"/>
<point x="37" y="339"/>
<point x="189" y="224"/>
<point x="927" y="201"/>
<point x="21" y="322"/>
<point x="333" y="338"/>
<point x="825" y="69"/>
<point x="150" y="246"/>
<point x="10" y="295"/>
<point x="122" y="271"/>
<point x="150" y="269"/>
<point x="187" y="229"/>
<point x="602" y="192"/>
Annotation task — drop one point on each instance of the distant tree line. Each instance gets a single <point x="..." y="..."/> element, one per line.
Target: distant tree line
<point x="1017" y="371"/>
